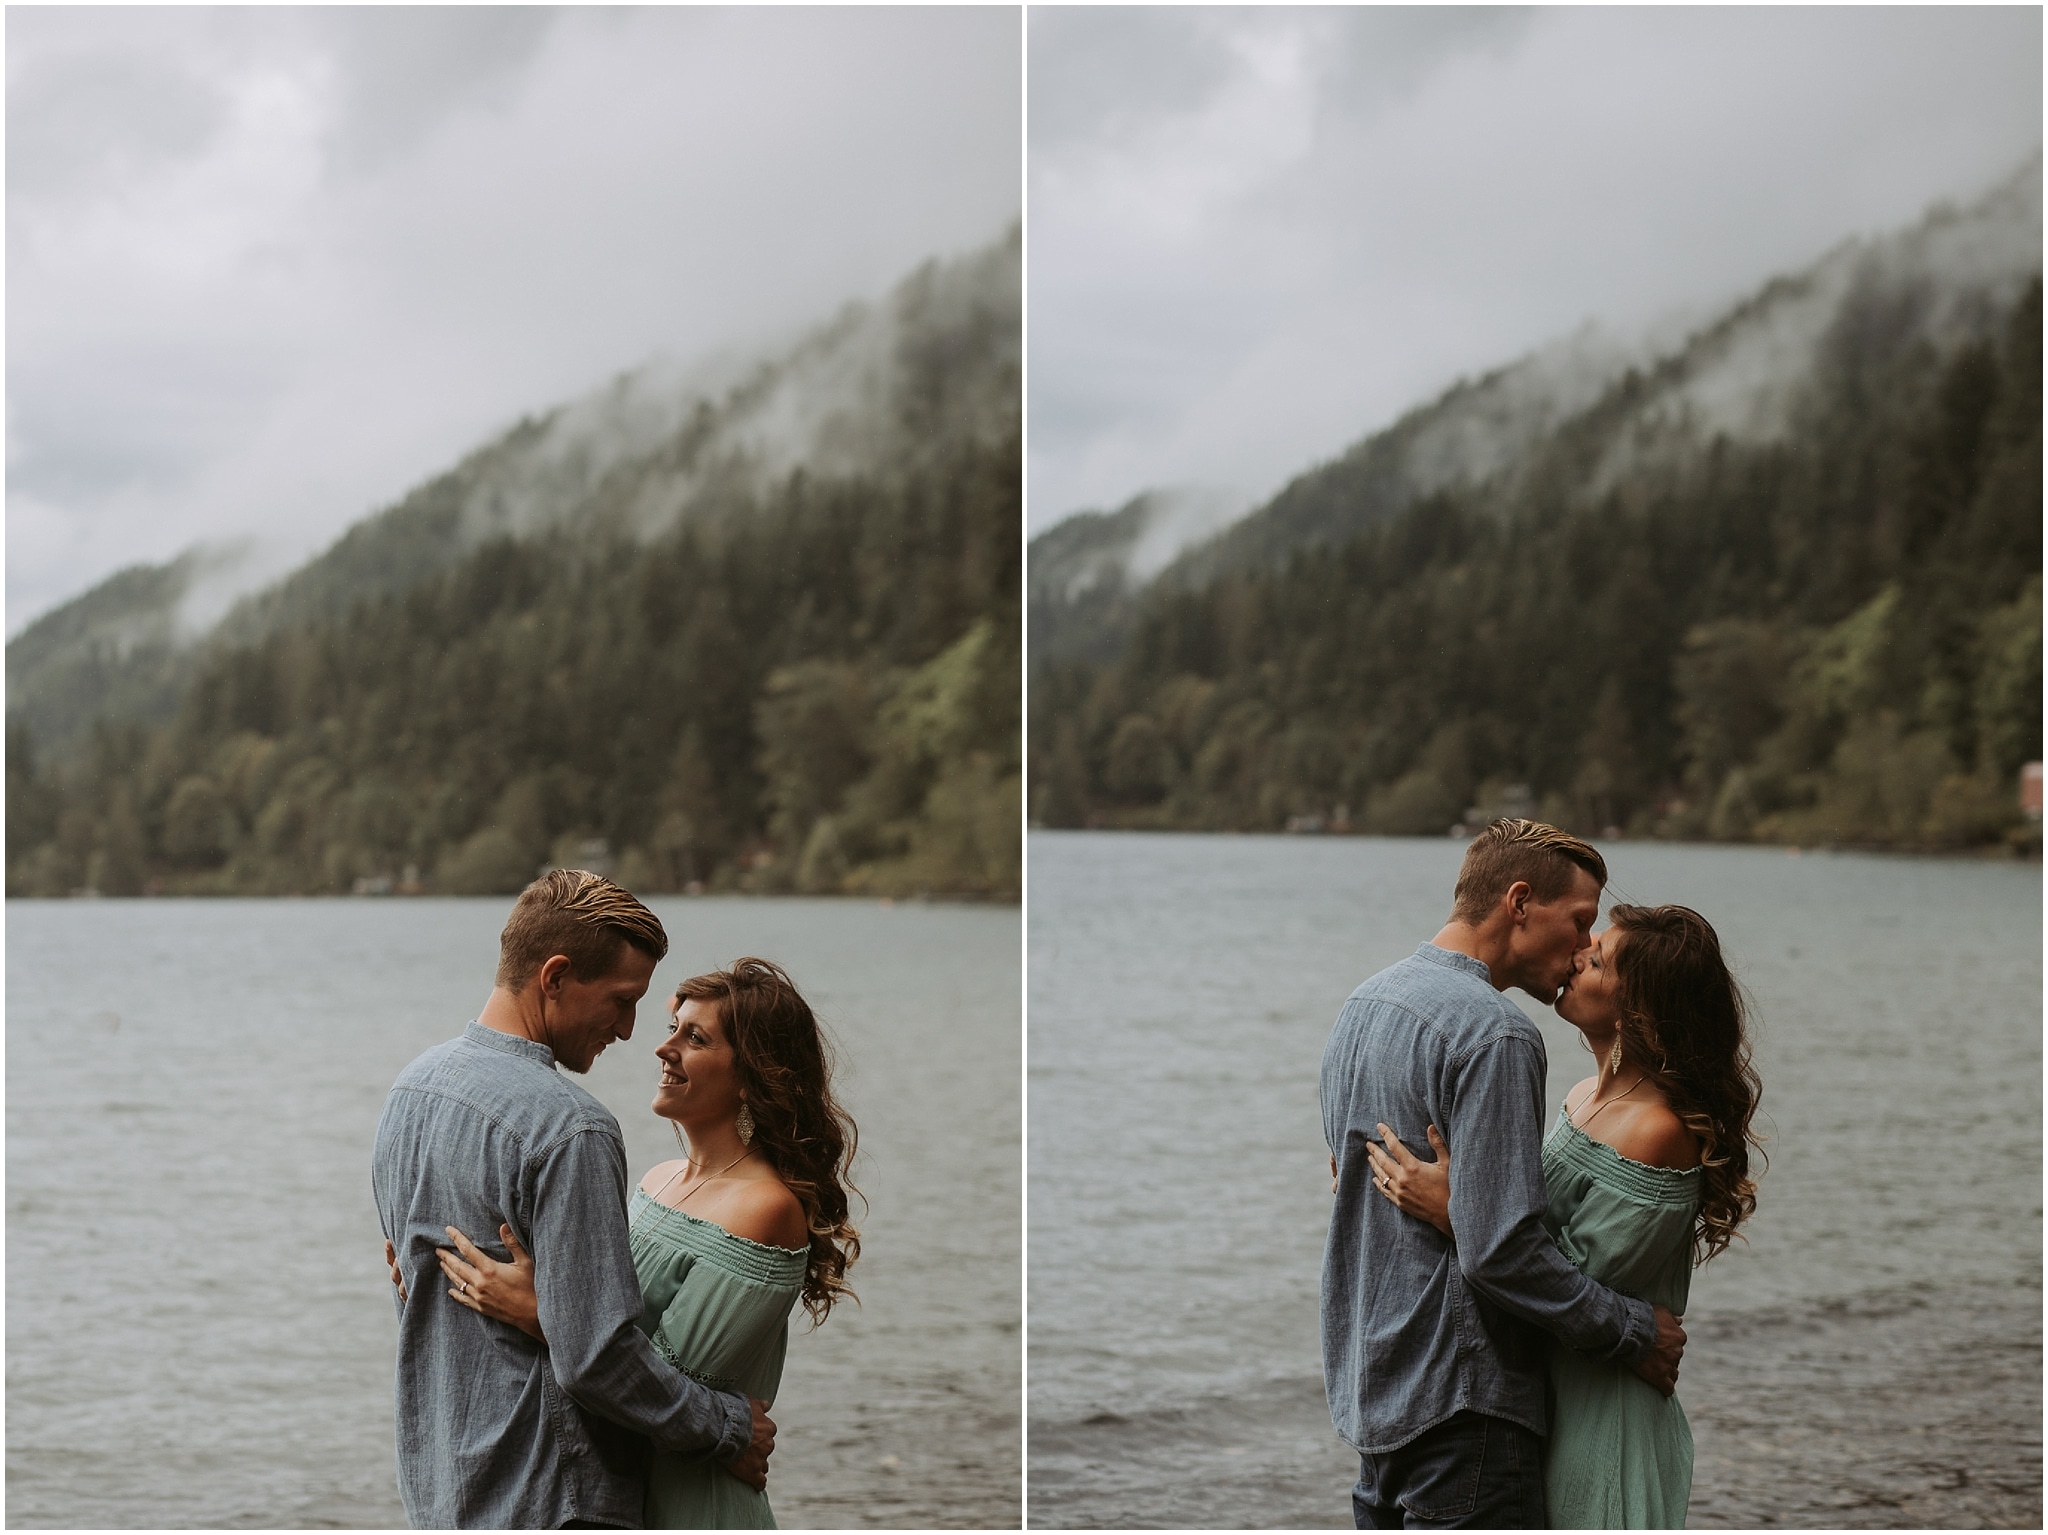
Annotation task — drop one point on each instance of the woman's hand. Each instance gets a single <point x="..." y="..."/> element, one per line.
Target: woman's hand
<point x="503" y="1291"/>
<point x="1421" y="1189"/>
<point x="391" y="1262"/>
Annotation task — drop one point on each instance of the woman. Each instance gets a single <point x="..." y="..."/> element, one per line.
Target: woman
<point x="1647" y="1173"/>
<point x="727" y="1238"/>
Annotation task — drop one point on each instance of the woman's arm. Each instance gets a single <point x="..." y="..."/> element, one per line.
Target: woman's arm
<point x="503" y="1291"/>
<point x="1421" y="1189"/>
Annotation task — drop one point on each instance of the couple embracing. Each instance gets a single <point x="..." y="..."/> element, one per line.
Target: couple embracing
<point x="1501" y="1332"/>
<point x="613" y="1364"/>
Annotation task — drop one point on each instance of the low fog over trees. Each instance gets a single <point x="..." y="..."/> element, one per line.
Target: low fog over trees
<point x="712" y="661"/>
<point x="1825" y="634"/>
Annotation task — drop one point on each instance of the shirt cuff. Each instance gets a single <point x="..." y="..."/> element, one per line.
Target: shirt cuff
<point x="739" y="1426"/>
<point x="1642" y="1330"/>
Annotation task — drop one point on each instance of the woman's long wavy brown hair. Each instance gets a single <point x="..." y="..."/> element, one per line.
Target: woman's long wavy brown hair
<point x="1684" y="1021"/>
<point x="784" y="1068"/>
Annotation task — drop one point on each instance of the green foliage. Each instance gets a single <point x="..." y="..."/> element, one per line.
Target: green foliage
<point x="110" y="654"/>
<point x="817" y="692"/>
<point x="1832" y="638"/>
<point x="492" y="862"/>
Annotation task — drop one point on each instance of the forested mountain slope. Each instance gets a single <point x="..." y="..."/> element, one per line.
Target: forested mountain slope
<point x="879" y="388"/>
<point x="1631" y="408"/>
<point x="1783" y="583"/>
<point x="764" y="636"/>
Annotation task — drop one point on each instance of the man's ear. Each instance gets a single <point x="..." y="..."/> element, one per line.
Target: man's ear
<point x="1518" y="900"/>
<point x="554" y="971"/>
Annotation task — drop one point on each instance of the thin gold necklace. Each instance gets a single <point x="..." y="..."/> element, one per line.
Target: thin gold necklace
<point x="709" y="1178"/>
<point x="1580" y="1125"/>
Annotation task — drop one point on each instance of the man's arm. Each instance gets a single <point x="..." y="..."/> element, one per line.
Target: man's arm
<point x="590" y="1309"/>
<point x="1497" y="1197"/>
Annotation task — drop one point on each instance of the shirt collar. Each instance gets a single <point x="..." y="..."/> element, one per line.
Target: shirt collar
<point x="511" y="1044"/>
<point x="1451" y="960"/>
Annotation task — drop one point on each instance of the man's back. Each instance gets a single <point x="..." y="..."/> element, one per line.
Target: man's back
<point x="477" y="1132"/>
<point x="1406" y="1342"/>
<point x="1417" y="1326"/>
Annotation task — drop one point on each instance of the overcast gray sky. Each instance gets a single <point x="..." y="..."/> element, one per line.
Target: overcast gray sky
<point x="1255" y="236"/>
<point x="268" y="268"/>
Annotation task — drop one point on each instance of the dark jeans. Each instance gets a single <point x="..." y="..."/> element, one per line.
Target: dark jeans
<point x="1470" y="1471"/>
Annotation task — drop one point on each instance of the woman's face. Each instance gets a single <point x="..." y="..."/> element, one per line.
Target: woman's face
<point x="1590" y="999"/>
<point x="698" y="1081"/>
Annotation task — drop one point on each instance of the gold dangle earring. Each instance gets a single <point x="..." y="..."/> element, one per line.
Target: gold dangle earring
<point x="744" y="1124"/>
<point x="1614" y="1057"/>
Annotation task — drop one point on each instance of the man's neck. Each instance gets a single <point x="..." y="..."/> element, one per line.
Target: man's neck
<point x="1480" y="943"/>
<point x="507" y="1013"/>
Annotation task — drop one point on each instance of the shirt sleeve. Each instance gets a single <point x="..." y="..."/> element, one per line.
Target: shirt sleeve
<point x="1641" y="1243"/>
<point x="590" y="1308"/>
<point x="718" y="1326"/>
<point x="1494" y="1111"/>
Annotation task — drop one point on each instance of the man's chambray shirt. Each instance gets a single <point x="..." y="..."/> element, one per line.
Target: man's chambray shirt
<point x="1417" y="1327"/>
<point x="496" y="1431"/>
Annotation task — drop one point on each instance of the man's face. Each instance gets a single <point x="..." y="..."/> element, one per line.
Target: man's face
<point x="582" y="1017"/>
<point x="1550" y="934"/>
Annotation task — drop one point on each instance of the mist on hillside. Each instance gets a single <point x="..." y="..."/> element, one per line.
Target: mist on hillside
<point x="753" y="627"/>
<point x="1780" y="582"/>
<point x="1258" y="235"/>
<point x="271" y="268"/>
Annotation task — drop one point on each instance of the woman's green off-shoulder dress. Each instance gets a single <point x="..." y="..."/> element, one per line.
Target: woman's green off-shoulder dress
<point x="717" y="1307"/>
<point x="1620" y="1452"/>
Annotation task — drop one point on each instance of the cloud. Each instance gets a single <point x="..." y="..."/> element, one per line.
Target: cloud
<point x="401" y="73"/>
<point x="1257" y="235"/>
<point x="100" y="102"/>
<point x="270" y="267"/>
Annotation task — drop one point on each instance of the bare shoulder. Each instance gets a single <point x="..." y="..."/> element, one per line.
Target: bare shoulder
<point x="764" y="1210"/>
<point x="1656" y="1137"/>
<point x="662" y="1173"/>
<point x="1580" y="1092"/>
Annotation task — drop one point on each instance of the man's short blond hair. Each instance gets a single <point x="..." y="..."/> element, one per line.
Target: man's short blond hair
<point x="1546" y="859"/>
<point x="579" y="914"/>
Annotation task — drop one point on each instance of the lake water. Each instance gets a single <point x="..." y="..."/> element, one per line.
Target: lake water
<point x="1872" y="1356"/>
<point x="198" y="1326"/>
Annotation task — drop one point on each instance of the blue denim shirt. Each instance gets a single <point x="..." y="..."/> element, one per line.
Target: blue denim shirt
<point x="1417" y="1327"/>
<point x="496" y="1431"/>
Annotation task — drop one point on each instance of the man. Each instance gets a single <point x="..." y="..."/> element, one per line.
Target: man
<point x="1432" y="1353"/>
<point x="496" y="1430"/>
